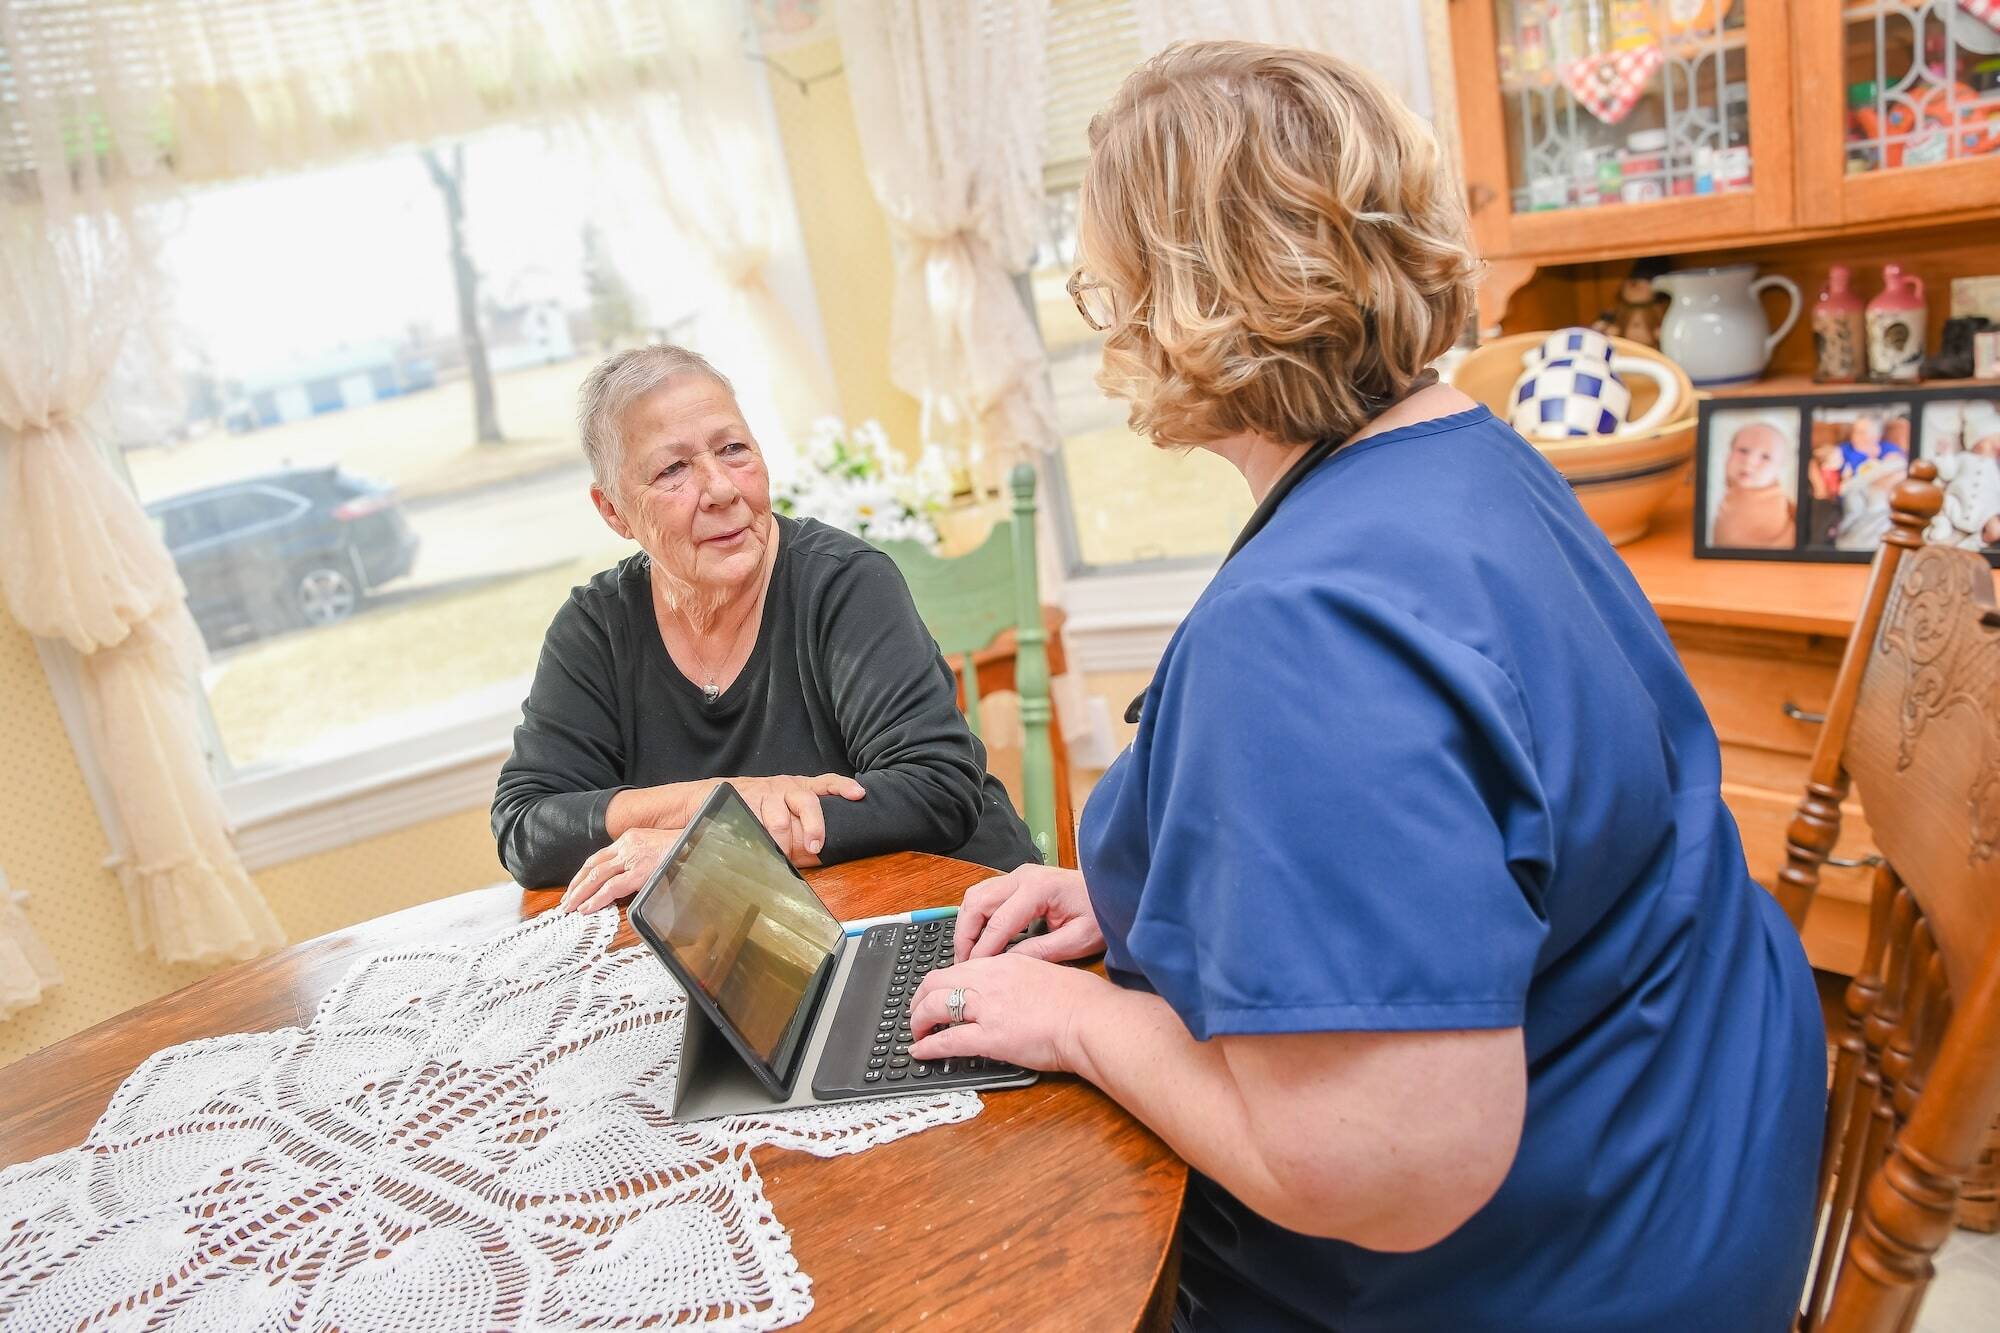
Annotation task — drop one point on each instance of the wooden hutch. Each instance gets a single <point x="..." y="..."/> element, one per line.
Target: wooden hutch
<point x="1763" y="106"/>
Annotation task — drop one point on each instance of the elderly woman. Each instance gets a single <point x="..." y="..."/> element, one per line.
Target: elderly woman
<point x="1431" y="944"/>
<point x="780" y="654"/>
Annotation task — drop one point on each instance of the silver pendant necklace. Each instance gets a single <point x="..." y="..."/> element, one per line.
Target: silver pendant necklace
<point x="712" y="691"/>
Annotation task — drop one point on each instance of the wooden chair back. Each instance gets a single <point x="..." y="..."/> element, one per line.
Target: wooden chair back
<point x="1914" y="725"/>
<point x="985" y="610"/>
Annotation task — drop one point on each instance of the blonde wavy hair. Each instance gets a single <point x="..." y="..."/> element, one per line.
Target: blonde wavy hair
<point x="1281" y="243"/>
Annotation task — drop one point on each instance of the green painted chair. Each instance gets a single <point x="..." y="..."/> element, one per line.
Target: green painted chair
<point x="985" y="610"/>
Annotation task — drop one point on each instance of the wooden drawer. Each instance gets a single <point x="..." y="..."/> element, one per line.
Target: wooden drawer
<point x="1762" y="816"/>
<point x="1746" y="696"/>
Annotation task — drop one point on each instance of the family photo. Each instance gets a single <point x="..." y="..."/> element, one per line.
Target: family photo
<point x="1858" y="456"/>
<point x="1963" y="438"/>
<point x="1752" y="466"/>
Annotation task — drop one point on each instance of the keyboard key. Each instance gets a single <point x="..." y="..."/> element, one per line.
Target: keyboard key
<point x="879" y="1050"/>
<point x="900" y="1049"/>
<point x="895" y="1074"/>
<point x="875" y="1062"/>
<point x="899" y="1061"/>
<point x="920" y="1071"/>
<point x="872" y="1076"/>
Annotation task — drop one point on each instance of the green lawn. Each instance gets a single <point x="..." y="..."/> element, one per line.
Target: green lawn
<point x="281" y="696"/>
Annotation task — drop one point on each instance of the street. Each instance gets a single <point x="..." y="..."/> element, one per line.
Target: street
<point x="531" y="522"/>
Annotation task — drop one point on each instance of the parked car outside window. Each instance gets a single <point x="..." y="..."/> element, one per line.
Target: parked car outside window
<point x="284" y="550"/>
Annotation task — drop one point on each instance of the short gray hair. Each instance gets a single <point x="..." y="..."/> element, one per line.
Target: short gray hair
<point x="621" y="380"/>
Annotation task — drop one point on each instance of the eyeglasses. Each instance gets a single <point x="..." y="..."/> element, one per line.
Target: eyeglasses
<point x="1093" y="300"/>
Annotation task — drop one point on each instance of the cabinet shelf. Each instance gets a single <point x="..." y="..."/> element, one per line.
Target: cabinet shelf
<point x="1677" y="48"/>
<point x="1778" y="385"/>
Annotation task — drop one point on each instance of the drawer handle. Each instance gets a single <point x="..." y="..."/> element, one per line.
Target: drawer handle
<point x="1798" y="714"/>
<point x="1854" y="863"/>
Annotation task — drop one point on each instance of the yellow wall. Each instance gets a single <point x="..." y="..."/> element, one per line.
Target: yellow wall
<point x="846" y="236"/>
<point x="53" y="848"/>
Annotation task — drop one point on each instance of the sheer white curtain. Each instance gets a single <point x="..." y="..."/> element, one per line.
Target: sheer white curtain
<point x="79" y="561"/>
<point x="26" y="966"/>
<point x="1384" y="36"/>
<point x="948" y="98"/>
<point x="232" y="88"/>
<point x="712" y="163"/>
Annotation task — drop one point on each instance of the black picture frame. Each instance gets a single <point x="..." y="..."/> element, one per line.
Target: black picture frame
<point x="1793" y="413"/>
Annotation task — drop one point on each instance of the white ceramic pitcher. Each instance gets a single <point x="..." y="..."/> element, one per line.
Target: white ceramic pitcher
<point x="1716" y="328"/>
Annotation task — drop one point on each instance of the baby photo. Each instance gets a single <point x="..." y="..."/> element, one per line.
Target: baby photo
<point x="1752" y="475"/>
<point x="1962" y="436"/>
<point x="1858" y="455"/>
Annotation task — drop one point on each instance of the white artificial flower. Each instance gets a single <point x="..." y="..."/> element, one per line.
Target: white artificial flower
<point x="857" y="481"/>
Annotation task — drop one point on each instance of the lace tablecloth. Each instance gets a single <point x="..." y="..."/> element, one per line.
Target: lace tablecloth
<point x="462" y="1138"/>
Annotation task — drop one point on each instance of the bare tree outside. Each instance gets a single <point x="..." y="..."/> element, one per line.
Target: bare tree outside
<point x="612" y="310"/>
<point x="450" y="182"/>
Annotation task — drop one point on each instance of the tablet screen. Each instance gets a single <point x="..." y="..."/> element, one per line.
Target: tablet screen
<point x="743" y="926"/>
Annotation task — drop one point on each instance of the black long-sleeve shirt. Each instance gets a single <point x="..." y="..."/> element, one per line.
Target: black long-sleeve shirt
<point x="844" y="678"/>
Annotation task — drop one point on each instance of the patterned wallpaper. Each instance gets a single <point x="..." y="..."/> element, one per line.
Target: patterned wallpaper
<point x="52" y="847"/>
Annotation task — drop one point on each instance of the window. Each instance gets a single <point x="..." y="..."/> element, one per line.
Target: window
<point x="1132" y="506"/>
<point x="370" y="574"/>
<point x="1130" y="503"/>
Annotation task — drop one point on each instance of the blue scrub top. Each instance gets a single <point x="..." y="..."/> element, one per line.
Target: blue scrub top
<point x="1422" y="757"/>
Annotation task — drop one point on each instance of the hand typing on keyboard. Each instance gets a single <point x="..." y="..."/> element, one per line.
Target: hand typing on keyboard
<point x="998" y="909"/>
<point x="1017" y="1009"/>
<point x="893" y="961"/>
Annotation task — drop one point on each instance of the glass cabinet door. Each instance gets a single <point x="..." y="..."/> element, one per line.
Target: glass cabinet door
<point x="1922" y="85"/>
<point x="1612" y="102"/>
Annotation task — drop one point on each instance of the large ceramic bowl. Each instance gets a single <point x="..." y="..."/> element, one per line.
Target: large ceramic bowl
<point x="1622" y="480"/>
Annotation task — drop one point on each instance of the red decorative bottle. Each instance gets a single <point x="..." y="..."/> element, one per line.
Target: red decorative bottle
<point x="1840" y="338"/>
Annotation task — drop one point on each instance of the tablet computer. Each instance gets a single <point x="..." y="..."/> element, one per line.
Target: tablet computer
<point x="744" y="934"/>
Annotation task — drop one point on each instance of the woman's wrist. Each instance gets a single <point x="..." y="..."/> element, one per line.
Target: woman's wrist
<point x="1097" y="1009"/>
<point x="668" y="806"/>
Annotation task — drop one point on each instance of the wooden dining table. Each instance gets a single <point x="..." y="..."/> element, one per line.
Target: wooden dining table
<point x="1052" y="1208"/>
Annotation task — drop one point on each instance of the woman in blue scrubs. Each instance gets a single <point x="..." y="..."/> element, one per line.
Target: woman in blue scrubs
<point x="1430" y="942"/>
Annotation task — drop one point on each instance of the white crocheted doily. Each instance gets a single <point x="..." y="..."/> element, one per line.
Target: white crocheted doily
<point x="462" y="1138"/>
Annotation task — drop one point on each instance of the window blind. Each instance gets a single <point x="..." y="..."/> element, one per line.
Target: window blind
<point x="218" y="89"/>
<point x="1093" y="45"/>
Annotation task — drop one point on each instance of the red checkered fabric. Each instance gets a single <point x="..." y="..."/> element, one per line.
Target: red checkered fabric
<point x="1986" y="11"/>
<point x="1610" y="85"/>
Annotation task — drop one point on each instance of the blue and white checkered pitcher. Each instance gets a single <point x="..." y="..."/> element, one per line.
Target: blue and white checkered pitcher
<point x="1572" y="387"/>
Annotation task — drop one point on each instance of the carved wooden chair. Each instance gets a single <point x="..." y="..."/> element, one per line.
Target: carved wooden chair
<point x="984" y="608"/>
<point x="1914" y="723"/>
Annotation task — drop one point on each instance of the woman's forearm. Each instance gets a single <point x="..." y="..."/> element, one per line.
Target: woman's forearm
<point x="1387" y="1140"/>
<point x="1134" y="1047"/>
<point x="668" y="806"/>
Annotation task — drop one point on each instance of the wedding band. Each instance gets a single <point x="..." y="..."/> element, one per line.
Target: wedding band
<point x="954" y="1004"/>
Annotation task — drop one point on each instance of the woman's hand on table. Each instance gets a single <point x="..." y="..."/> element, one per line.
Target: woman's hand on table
<point x="617" y="871"/>
<point x="996" y="910"/>
<point x="1018" y="1009"/>
<point x="787" y="805"/>
<point x="788" y="808"/>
